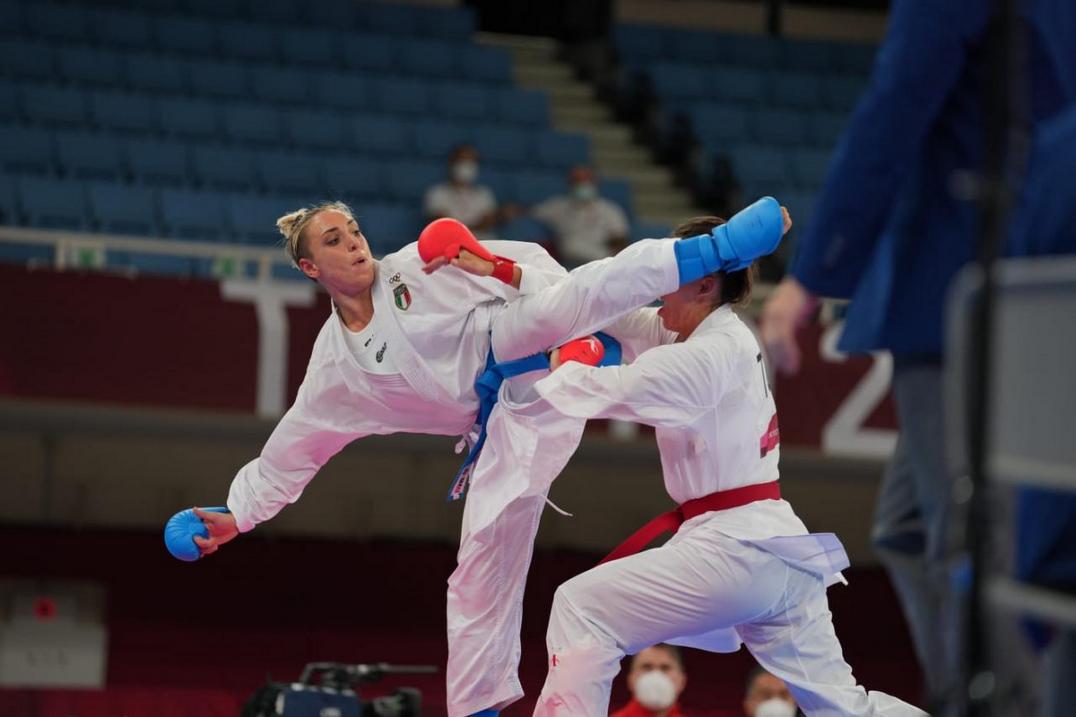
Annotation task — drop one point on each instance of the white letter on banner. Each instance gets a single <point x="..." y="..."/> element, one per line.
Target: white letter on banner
<point x="270" y="299"/>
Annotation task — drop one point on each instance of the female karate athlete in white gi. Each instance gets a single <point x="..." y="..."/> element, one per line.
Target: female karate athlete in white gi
<point x="742" y="568"/>
<point x="401" y="352"/>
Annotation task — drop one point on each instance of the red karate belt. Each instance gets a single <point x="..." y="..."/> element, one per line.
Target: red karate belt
<point x="670" y="522"/>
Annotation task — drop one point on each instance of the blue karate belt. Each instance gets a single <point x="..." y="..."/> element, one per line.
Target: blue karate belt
<point x="488" y="386"/>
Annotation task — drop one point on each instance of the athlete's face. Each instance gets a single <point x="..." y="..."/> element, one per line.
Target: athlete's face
<point x="340" y="258"/>
<point x="685" y="308"/>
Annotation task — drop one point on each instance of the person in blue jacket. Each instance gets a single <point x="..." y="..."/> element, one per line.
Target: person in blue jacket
<point x="890" y="231"/>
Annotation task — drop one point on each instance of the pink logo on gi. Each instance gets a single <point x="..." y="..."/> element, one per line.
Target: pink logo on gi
<point x="770" y="439"/>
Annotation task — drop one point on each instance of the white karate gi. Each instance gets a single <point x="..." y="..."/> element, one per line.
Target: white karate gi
<point x="439" y="331"/>
<point x="750" y="574"/>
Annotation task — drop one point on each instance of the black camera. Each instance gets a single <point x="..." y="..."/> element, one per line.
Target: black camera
<point x="331" y="689"/>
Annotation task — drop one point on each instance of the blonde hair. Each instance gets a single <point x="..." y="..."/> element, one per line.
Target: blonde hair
<point x="292" y="224"/>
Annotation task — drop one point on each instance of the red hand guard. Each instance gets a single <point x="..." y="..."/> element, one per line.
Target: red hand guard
<point x="446" y="237"/>
<point x="587" y="350"/>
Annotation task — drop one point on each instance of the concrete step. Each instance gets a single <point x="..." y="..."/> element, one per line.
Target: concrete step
<point x="569" y="93"/>
<point x="542" y="75"/>
<point x="670" y="205"/>
<point x="580" y="114"/>
<point x="638" y="163"/>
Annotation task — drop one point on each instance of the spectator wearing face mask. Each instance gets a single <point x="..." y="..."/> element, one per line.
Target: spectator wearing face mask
<point x="767" y="696"/>
<point x="655" y="680"/>
<point x="461" y="197"/>
<point x="585" y="225"/>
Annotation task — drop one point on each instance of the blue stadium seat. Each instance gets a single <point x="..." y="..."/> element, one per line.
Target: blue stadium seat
<point x="123" y="111"/>
<point x="276" y="11"/>
<point x="462" y="100"/>
<point x="253" y="219"/>
<point x="161" y="7"/>
<point x="25" y="149"/>
<point x="525" y="229"/>
<point x="29" y="60"/>
<point x="225" y="168"/>
<point x="9" y="101"/>
<point x="698" y="48"/>
<point x="187" y="118"/>
<point x="434" y="139"/>
<point x="310" y="47"/>
<point x="800" y="208"/>
<point x="842" y="92"/>
<point x="87" y="155"/>
<point x="353" y="179"/>
<point x="252" y="124"/>
<point x="505" y="145"/>
<point x="855" y="59"/>
<point x="795" y="89"/>
<point x="123" y="209"/>
<point x="639" y="44"/>
<point x="738" y="85"/>
<point x="314" y="129"/>
<point x="393" y="19"/>
<point x="677" y="81"/>
<point x="827" y="128"/>
<point x="8" y="205"/>
<point x="373" y="135"/>
<point x="52" y="203"/>
<point x="534" y="186"/>
<point x="761" y="170"/>
<point x="216" y="9"/>
<point x="619" y="191"/>
<point x="289" y="172"/>
<point x="520" y="106"/>
<point x="247" y="41"/>
<point x="11" y="23"/>
<point x="499" y="181"/>
<point x="152" y="161"/>
<point x="650" y="230"/>
<point x="367" y="52"/>
<point x="152" y="72"/>
<point x="752" y="51"/>
<point x="281" y="85"/>
<point x="407" y="181"/>
<point x="142" y="262"/>
<point x="122" y="29"/>
<point x="402" y="96"/>
<point x="809" y="167"/>
<point x="185" y="35"/>
<point x="193" y="215"/>
<point x="27" y="254"/>
<point x="480" y="63"/>
<point x="719" y="125"/>
<point x="57" y="22"/>
<point x="389" y="227"/>
<point x="88" y="66"/>
<point x="339" y="14"/>
<point x="561" y="150"/>
<point x="340" y="91"/>
<point x="809" y="55"/>
<point x="449" y="23"/>
<point x="783" y="128"/>
<point x="227" y="80"/>
<point x="54" y="105"/>
<point x="427" y="58"/>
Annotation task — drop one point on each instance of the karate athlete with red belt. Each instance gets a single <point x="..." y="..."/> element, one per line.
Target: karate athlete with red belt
<point x="401" y="352"/>
<point x="742" y="568"/>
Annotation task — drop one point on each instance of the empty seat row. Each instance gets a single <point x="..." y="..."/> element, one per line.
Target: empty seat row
<point x="247" y="121"/>
<point x="673" y="82"/>
<point x="718" y="125"/>
<point x="765" y="170"/>
<point x="143" y="23"/>
<point x="157" y="70"/>
<point x="639" y="45"/>
<point x="185" y="214"/>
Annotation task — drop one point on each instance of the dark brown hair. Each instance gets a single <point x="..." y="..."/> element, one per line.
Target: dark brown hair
<point x="735" y="285"/>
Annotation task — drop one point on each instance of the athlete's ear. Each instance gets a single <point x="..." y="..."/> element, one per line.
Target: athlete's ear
<point x="308" y="268"/>
<point x="709" y="286"/>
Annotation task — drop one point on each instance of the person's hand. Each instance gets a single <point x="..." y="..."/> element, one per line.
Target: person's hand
<point x="221" y="527"/>
<point x="783" y="314"/>
<point x="468" y="262"/>
<point x="788" y="220"/>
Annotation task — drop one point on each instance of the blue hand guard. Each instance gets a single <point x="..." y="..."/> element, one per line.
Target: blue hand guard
<point x="180" y="530"/>
<point x="752" y="232"/>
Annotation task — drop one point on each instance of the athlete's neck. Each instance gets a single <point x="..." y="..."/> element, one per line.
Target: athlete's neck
<point x="355" y="311"/>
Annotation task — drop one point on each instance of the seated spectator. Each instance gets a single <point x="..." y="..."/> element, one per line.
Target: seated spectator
<point x="460" y="197"/>
<point x="767" y="696"/>
<point x="585" y="226"/>
<point x="655" y="680"/>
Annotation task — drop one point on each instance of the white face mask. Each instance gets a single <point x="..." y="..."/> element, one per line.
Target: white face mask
<point x="655" y="690"/>
<point x="775" y="707"/>
<point x="585" y="191"/>
<point x="465" y="171"/>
